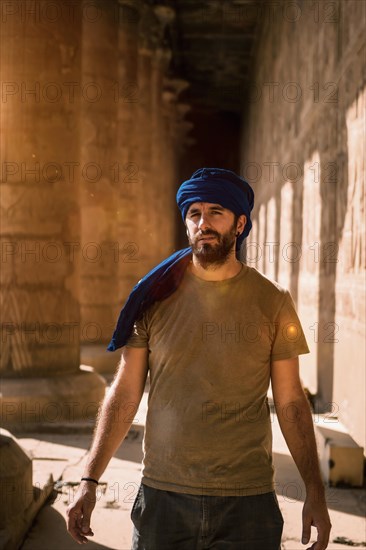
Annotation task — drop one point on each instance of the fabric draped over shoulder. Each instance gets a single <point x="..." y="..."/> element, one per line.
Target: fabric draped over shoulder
<point x="156" y="285"/>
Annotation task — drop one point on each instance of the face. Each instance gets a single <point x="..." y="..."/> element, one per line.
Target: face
<point x="211" y="231"/>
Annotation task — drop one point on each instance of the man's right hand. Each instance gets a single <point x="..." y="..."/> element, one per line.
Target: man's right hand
<point x="79" y="512"/>
<point x="126" y="389"/>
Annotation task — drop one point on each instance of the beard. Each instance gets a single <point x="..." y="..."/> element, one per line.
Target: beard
<point x="215" y="253"/>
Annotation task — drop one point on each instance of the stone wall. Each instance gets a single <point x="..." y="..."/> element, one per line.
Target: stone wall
<point x="302" y="148"/>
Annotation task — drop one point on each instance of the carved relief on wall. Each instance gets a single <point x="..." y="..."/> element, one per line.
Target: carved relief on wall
<point x="311" y="215"/>
<point x="352" y="253"/>
<point x="288" y="249"/>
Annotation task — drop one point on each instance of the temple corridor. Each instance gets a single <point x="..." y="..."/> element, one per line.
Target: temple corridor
<point x="106" y="107"/>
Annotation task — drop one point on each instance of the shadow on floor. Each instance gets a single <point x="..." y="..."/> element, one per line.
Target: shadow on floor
<point x="290" y="486"/>
<point x="49" y="531"/>
<point x="130" y="449"/>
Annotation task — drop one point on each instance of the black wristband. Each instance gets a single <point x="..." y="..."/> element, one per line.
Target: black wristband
<point x="90" y="479"/>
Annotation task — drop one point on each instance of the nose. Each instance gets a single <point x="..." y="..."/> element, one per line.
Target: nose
<point x="203" y="223"/>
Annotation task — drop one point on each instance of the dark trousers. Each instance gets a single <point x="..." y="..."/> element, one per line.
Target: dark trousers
<point x="165" y="520"/>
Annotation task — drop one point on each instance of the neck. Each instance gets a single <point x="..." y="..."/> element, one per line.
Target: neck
<point x="215" y="272"/>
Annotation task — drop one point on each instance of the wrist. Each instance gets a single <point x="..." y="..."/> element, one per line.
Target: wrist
<point x="91" y="480"/>
<point x="316" y="490"/>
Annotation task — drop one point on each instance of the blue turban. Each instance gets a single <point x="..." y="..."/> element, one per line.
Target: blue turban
<point x="214" y="185"/>
<point x="218" y="186"/>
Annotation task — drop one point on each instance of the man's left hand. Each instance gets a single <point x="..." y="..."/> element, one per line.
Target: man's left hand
<point x="315" y="513"/>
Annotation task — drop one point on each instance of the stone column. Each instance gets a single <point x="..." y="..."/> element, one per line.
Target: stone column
<point x="161" y="246"/>
<point x="40" y="222"/>
<point x="308" y="309"/>
<point x="101" y="178"/>
<point x="271" y="245"/>
<point x="288" y="251"/>
<point x="162" y="232"/>
<point x="129" y="176"/>
<point x="174" y="136"/>
<point x="145" y="229"/>
<point x="181" y="129"/>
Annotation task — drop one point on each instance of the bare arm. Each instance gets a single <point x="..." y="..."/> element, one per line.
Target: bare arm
<point x="114" y="420"/>
<point x="296" y="424"/>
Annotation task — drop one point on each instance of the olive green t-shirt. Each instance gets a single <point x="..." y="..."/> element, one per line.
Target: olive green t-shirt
<point x="208" y="426"/>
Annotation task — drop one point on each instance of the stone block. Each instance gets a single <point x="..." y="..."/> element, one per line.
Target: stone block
<point x="97" y="291"/>
<point x="42" y="403"/>
<point x="98" y="324"/>
<point x="15" y="479"/>
<point x="99" y="358"/>
<point x="41" y="205"/>
<point x="42" y="305"/>
<point x="341" y="459"/>
<point x="20" y="500"/>
<point x="41" y="262"/>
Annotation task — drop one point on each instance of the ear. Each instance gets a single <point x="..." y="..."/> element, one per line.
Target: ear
<point x="242" y="221"/>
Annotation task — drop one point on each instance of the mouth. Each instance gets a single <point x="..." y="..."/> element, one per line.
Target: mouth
<point x="204" y="239"/>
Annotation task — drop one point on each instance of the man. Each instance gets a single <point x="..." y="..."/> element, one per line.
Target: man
<point x="212" y="332"/>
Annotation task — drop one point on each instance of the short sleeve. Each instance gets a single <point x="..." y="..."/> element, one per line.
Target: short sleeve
<point x="139" y="337"/>
<point x="289" y="339"/>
